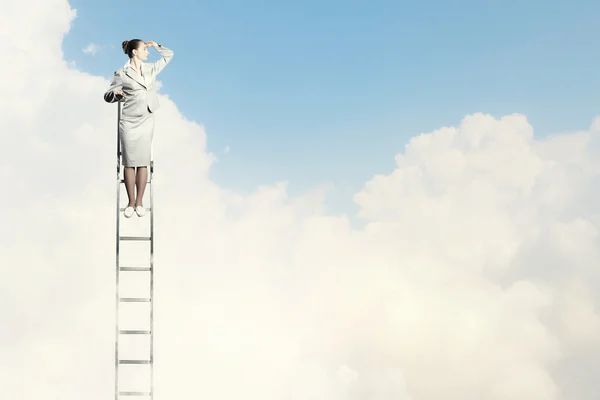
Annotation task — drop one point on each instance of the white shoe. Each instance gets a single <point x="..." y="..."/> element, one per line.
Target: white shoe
<point x="128" y="212"/>
<point x="140" y="211"/>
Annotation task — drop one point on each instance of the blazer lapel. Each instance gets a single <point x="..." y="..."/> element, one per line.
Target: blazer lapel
<point x="133" y="74"/>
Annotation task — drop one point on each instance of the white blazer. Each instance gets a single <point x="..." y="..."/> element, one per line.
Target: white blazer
<point x="140" y="93"/>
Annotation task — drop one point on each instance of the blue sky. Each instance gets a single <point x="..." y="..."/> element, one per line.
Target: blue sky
<point x="330" y="91"/>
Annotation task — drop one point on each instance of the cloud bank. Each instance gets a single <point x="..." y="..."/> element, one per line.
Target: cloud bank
<point x="475" y="275"/>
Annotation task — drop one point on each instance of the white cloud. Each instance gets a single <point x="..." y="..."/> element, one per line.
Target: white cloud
<point x="91" y="49"/>
<point x="474" y="278"/>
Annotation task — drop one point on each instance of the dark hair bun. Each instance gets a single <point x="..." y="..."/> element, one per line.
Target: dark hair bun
<point x="124" y="44"/>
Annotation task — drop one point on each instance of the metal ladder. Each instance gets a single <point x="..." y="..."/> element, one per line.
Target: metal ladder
<point x="141" y="272"/>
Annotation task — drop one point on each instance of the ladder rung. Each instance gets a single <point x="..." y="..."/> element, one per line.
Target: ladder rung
<point x="147" y="209"/>
<point x="135" y="393"/>
<point x="133" y="332"/>
<point x="134" y="268"/>
<point x="134" y="299"/>
<point x="135" y="238"/>
<point x="131" y="362"/>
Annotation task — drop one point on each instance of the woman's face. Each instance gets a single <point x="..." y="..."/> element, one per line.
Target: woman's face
<point x="142" y="51"/>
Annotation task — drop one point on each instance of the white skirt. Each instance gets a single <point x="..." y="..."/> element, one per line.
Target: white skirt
<point x="136" y="134"/>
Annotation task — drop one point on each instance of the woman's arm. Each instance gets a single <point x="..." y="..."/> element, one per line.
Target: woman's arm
<point x="114" y="92"/>
<point x="166" y="54"/>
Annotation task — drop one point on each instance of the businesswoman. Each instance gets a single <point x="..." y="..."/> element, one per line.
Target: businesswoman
<point x="135" y="84"/>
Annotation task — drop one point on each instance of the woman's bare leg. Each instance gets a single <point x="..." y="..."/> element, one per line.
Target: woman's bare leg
<point x="141" y="179"/>
<point x="130" y="184"/>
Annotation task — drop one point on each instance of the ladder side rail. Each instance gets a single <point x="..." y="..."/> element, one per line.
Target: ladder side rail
<point x="151" y="176"/>
<point x="117" y="252"/>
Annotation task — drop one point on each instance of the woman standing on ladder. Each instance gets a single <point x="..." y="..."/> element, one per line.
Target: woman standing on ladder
<point x="135" y="82"/>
